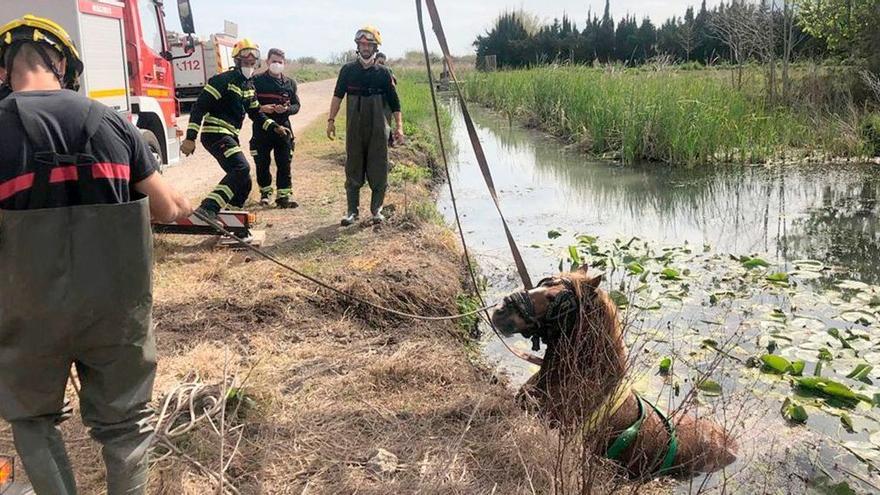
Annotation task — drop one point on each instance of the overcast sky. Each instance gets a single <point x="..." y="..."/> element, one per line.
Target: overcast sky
<point x="321" y="27"/>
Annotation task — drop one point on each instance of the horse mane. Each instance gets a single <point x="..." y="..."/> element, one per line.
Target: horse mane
<point x="586" y="360"/>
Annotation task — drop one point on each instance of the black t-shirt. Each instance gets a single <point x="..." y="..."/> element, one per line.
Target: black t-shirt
<point x="376" y="79"/>
<point x="121" y="155"/>
<point x="276" y="91"/>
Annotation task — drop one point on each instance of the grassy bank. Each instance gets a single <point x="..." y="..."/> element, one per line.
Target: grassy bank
<point x="689" y="117"/>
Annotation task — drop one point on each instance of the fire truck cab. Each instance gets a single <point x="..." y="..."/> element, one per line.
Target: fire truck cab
<point x="127" y="58"/>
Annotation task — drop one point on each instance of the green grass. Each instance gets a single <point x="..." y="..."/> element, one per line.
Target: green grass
<point x="417" y="108"/>
<point x="311" y="72"/>
<point x="688" y="117"/>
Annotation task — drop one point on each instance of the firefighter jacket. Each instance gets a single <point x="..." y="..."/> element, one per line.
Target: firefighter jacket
<point x="222" y="105"/>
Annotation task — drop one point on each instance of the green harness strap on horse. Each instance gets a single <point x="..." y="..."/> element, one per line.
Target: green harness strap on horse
<point x="628" y="436"/>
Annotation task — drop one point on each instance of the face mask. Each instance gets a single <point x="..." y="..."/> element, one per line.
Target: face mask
<point x="247" y="72"/>
<point x="276" y="68"/>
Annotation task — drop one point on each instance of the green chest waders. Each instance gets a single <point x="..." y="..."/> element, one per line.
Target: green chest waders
<point x="76" y="288"/>
<point x="366" y="147"/>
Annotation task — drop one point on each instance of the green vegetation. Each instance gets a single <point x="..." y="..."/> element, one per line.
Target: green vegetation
<point x="313" y="71"/>
<point x="690" y="117"/>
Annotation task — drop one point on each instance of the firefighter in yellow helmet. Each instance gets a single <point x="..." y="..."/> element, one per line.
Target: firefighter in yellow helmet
<point x="75" y="259"/>
<point x="370" y="94"/>
<point x="219" y="114"/>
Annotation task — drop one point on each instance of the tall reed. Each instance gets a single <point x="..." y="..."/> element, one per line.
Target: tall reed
<point x="689" y="117"/>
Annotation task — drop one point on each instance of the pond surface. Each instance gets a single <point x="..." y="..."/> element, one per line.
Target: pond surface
<point x="817" y="226"/>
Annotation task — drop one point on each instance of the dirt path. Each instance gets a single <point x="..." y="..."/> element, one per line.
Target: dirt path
<point x="197" y="174"/>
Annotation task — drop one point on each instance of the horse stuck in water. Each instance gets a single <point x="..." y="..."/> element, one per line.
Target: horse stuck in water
<point x="581" y="388"/>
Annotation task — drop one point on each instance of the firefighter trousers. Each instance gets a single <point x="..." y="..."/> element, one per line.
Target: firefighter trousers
<point x="76" y="289"/>
<point x="366" y="147"/>
<point x="263" y="145"/>
<point x="235" y="187"/>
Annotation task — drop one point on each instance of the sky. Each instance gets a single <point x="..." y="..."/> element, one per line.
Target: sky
<point x="320" y="28"/>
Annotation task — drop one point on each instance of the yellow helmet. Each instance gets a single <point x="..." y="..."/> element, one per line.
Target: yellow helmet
<point x="370" y="32"/>
<point x="245" y="48"/>
<point x="31" y="28"/>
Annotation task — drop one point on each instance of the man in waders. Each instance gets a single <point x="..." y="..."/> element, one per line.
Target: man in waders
<point x="278" y="100"/>
<point x="369" y="88"/>
<point x="222" y="105"/>
<point x="75" y="264"/>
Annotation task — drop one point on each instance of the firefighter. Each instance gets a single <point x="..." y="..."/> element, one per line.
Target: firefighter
<point x="369" y="88"/>
<point x="278" y="100"/>
<point x="75" y="264"/>
<point x="219" y="113"/>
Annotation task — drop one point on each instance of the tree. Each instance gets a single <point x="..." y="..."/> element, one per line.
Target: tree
<point x="687" y="33"/>
<point x="605" y="36"/>
<point x="734" y="26"/>
<point x="847" y="25"/>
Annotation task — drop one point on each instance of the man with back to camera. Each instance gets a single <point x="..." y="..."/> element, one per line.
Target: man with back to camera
<point x="75" y="264"/>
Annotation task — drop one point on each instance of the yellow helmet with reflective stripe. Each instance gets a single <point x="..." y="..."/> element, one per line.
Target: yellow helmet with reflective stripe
<point x="244" y="48"/>
<point x="31" y="28"/>
<point x="370" y="33"/>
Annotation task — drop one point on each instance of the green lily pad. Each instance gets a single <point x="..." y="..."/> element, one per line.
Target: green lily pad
<point x="777" y="277"/>
<point x="847" y="423"/>
<point x="793" y="412"/>
<point x="635" y="268"/>
<point x="860" y="372"/>
<point x="755" y="263"/>
<point x="670" y="274"/>
<point x="709" y="387"/>
<point x="619" y="298"/>
<point x="554" y="234"/>
<point x="776" y="364"/>
<point x="665" y="365"/>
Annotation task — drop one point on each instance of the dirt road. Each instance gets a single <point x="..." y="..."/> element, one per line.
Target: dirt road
<point x="195" y="175"/>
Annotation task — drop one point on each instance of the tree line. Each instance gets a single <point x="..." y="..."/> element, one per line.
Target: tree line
<point x="734" y="32"/>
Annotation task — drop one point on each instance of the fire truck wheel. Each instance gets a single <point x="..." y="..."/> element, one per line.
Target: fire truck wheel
<point x="153" y="144"/>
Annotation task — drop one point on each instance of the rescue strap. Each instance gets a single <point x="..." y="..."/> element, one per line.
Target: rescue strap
<point x="219" y="228"/>
<point x="525" y="356"/>
<point x="629" y="435"/>
<point x="475" y="140"/>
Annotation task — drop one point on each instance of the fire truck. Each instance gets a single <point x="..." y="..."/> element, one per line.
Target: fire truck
<point x="127" y="57"/>
<point x="191" y="72"/>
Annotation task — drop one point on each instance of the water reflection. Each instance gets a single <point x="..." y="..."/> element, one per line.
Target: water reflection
<point x="829" y="213"/>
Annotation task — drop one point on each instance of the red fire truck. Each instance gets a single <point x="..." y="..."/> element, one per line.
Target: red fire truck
<point x="127" y="57"/>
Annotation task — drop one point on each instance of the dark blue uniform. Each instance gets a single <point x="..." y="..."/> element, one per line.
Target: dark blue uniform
<point x="274" y="91"/>
<point x="219" y="113"/>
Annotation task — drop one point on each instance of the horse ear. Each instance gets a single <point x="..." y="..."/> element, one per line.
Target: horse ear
<point x="582" y="269"/>
<point x="596" y="281"/>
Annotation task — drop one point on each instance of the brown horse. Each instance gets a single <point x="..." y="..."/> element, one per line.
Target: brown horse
<point x="581" y="386"/>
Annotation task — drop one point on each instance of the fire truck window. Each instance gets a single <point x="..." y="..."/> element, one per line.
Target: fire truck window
<point x="150" y="26"/>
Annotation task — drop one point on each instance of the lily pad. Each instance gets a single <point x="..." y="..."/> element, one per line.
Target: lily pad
<point x="777" y="277"/>
<point x="554" y="234"/>
<point x="709" y="387"/>
<point x="670" y="274"/>
<point x="665" y="365"/>
<point x="776" y="364"/>
<point x="755" y="263"/>
<point x="793" y="412"/>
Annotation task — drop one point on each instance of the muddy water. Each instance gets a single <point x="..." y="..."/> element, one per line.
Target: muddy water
<point x="824" y="213"/>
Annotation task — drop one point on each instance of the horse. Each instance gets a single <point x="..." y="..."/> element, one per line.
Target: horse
<point x="581" y="385"/>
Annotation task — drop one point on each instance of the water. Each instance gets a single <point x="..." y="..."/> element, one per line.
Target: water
<point x="826" y="213"/>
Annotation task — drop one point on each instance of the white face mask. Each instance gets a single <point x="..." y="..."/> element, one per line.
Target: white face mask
<point x="248" y="72"/>
<point x="276" y="68"/>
